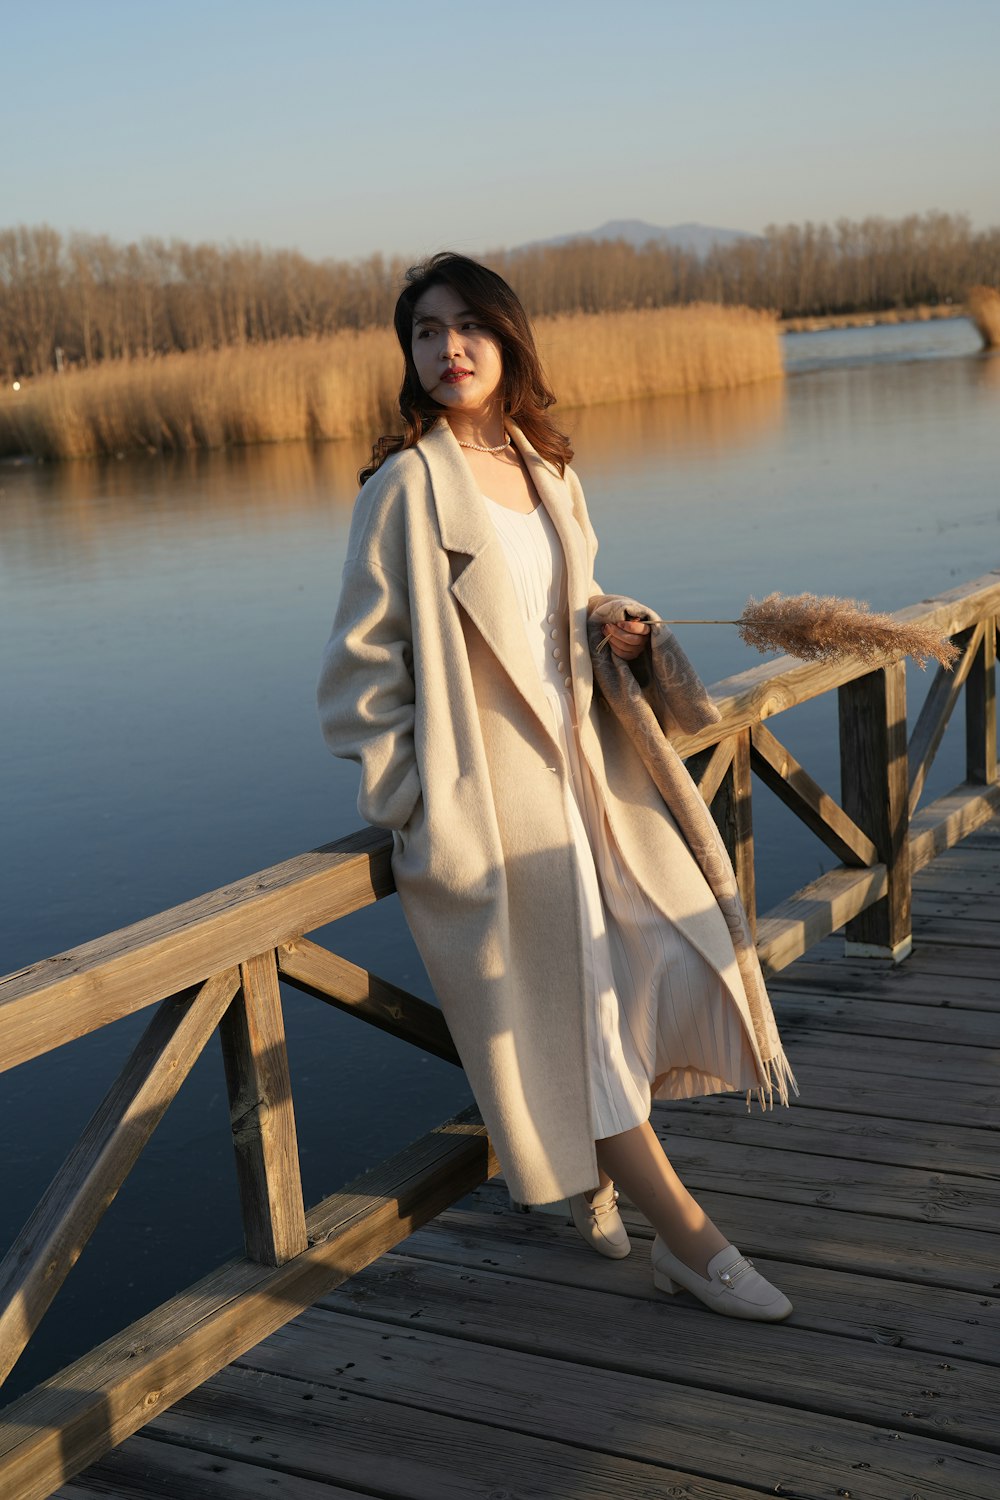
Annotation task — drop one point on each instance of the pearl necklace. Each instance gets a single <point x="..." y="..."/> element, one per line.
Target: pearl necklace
<point x="481" y="449"/>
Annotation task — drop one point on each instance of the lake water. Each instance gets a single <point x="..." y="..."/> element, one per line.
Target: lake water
<point x="161" y="623"/>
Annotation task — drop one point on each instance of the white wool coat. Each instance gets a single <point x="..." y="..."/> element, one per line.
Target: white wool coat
<point x="428" y="683"/>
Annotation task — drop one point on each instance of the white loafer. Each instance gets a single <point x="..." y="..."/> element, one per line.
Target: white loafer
<point x="600" y="1222"/>
<point x="733" y="1287"/>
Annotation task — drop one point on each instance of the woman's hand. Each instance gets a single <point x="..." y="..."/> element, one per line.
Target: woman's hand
<point x="628" y="639"/>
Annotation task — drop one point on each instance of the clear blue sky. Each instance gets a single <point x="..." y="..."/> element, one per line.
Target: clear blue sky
<point x="386" y="125"/>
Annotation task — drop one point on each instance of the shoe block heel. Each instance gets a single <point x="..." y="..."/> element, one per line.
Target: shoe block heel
<point x="663" y="1283"/>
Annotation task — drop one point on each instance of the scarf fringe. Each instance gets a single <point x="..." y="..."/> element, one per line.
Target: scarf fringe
<point x="778" y="1076"/>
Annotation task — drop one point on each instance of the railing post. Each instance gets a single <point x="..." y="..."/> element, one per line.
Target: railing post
<point x="981" y="710"/>
<point x="260" y="1107"/>
<point x="732" y="810"/>
<point x="874" y="779"/>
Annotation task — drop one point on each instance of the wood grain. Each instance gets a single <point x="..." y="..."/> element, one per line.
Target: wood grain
<point x="667" y="1340"/>
<point x="262" y="1116"/>
<point x="87" y="1183"/>
<point x="644" y="1416"/>
<point x="942" y="823"/>
<point x="937" y="1256"/>
<point x="732" y="809"/>
<point x="708" y="768"/>
<point x="54" y="1431"/>
<point x="819" y="908"/>
<point x="874" y="788"/>
<point x="779" y="770"/>
<point x="316" y="971"/>
<point x="147" y="1469"/>
<point x="51" y="1002"/>
<point x="843" y="1301"/>
<point x="937" y="709"/>
<point x="405" y="1451"/>
<point x="981" y="709"/>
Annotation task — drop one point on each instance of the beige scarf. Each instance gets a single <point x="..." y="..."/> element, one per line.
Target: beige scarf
<point x="653" y="696"/>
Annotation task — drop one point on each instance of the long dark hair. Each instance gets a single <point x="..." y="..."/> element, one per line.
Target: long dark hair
<point x="523" y="390"/>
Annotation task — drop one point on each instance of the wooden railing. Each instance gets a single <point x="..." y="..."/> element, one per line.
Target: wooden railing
<point x="215" y="964"/>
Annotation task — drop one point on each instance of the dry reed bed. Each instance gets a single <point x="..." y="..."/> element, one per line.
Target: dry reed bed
<point x="984" y="310"/>
<point x="346" y="385"/>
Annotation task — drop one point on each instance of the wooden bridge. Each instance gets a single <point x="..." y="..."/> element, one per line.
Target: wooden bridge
<point x="414" y="1336"/>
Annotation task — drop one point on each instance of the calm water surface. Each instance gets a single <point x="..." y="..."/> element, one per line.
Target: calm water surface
<point x="160" y="629"/>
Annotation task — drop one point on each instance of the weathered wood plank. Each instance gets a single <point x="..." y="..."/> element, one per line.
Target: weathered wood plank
<point x="828" y="1301"/>
<point x="889" y="1097"/>
<point x="847" y="1303"/>
<point x="873" y="775"/>
<point x="963" y="931"/>
<point x="52" y="1240"/>
<point x="788" y="1176"/>
<point x="988" y="838"/>
<point x="73" y="1418"/>
<point x="812" y="1010"/>
<point x="943" y="822"/>
<point x="329" y="977"/>
<point x="936" y="1068"/>
<point x="792" y="784"/>
<point x="252" y="1035"/>
<point x="927" y="962"/>
<point x="60" y="998"/>
<point x="959" y="906"/>
<point x="981" y="709"/>
<point x="965" y="861"/>
<point x="408" y="1452"/>
<point x="937" y="709"/>
<point x="826" y="904"/>
<point x="783" y="1449"/>
<point x="946" y="881"/>
<point x="145" y="1469"/>
<point x="732" y="809"/>
<point x="709" y="767"/>
<point x="939" y="1255"/>
<point x="672" y="1340"/>
<point x="950" y="992"/>
<point x="793" y="926"/>
<point x="847" y="1137"/>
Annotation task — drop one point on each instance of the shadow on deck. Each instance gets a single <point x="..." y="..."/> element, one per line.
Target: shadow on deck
<point x="493" y="1355"/>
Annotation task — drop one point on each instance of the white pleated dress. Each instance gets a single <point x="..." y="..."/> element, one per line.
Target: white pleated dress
<point x="656" y="1003"/>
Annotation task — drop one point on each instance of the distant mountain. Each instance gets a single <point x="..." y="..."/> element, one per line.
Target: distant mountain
<point x="698" y="238"/>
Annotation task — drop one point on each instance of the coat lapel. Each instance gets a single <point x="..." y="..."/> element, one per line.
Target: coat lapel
<point x="555" y="497"/>
<point x="483" y="586"/>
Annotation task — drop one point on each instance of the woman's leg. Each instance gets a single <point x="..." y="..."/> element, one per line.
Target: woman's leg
<point x="636" y="1160"/>
<point x="603" y="1182"/>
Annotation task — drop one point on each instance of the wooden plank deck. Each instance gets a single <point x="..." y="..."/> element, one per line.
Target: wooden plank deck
<point x="493" y="1356"/>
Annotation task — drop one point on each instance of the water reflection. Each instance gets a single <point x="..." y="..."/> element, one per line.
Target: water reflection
<point x="623" y="433"/>
<point x="67" y="511"/>
<point x="986" y="371"/>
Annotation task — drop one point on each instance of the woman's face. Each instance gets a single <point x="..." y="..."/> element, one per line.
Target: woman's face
<point x="457" y="359"/>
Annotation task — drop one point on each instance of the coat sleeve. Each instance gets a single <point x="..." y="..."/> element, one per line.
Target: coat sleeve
<point x="366" y="687"/>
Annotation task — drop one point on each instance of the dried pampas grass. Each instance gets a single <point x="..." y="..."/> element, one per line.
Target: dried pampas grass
<point x="819" y="628"/>
<point x="825" y="628"/>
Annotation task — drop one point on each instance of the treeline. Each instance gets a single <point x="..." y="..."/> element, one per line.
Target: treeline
<point x="82" y="299"/>
<point x="796" y="270"/>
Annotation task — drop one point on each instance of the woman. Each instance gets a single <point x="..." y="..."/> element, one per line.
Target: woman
<point x="577" y="953"/>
